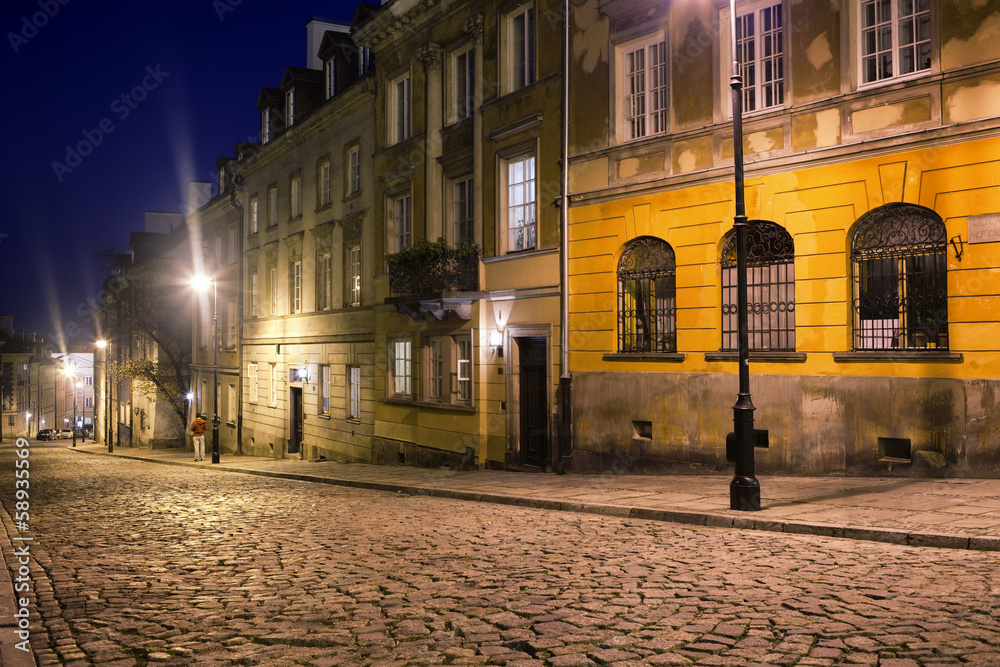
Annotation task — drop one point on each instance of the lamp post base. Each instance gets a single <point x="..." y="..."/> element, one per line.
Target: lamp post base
<point x="744" y="494"/>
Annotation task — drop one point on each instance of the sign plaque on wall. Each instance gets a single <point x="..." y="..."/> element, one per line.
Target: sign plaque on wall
<point x="984" y="228"/>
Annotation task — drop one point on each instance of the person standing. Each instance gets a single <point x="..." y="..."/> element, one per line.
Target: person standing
<point x="198" y="430"/>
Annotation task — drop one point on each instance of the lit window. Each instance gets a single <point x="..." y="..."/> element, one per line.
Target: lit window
<point x="895" y="38"/>
<point x="761" y="48"/>
<point x="296" y="287"/>
<point x="463" y="369"/>
<point x="770" y="289"/>
<point x="900" y="279"/>
<point x="253" y="215"/>
<point x="289" y="107"/>
<point x="520" y="203"/>
<point x="254" y="294"/>
<point x="324" y="183"/>
<point x="400" y="367"/>
<point x="354" y="392"/>
<point x="354" y="277"/>
<point x="296" y="194"/>
<point x="642" y="82"/>
<point x="353" y="170"/>
<point x="324" y="390"/>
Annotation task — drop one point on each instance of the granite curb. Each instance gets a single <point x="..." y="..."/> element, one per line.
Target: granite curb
<point x="689" y="517"/>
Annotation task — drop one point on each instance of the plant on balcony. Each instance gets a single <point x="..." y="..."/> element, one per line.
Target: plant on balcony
<point x="428" y="266"/>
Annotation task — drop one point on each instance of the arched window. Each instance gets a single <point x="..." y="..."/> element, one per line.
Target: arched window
<point x="647" y="288"/>
<point x="770" y="289"/>
<point x="899" y="279"/>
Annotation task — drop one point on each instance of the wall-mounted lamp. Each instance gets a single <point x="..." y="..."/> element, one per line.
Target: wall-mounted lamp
<point x="496" y="342"/>
<point x="959" y="245"/>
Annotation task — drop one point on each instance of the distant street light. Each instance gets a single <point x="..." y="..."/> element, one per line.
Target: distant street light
<point x="201" y="283"/>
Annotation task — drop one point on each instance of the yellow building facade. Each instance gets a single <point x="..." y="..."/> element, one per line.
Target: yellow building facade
<point x="871" y="133"/>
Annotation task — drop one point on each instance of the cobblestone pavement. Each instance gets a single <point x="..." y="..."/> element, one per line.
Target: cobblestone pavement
<point x="136" y="563"/>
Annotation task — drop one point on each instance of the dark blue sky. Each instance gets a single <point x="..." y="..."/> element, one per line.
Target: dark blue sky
<point x="199" y="66"/>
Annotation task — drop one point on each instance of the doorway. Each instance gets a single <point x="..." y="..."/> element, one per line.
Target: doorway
<point x="295" y="441"/>
<point x="533" y="401"/>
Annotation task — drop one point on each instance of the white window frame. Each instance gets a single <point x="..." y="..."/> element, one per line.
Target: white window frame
<point x="272" y="206"/>
<point x="231" y="322"/>
<point x="295" y="191"/>
<point x="463" y="370"/>
<point x="364" y="60"/>
<point x="400" y="108"/>
<point x="401" y="367"/>
<point x="325" y="386"/>
<point x="265" y="125"/>
<point x="401" y="220"/>
<point x="254" y="219"/>
<point x="254" y="293"/>
<point x="519" y="201"/>
<point x="522" y="47"/>
<point x="296" y="286"/>
<point x="273" y="385"/>
<point x="894" y="48"/>
<point x="354" y="169"/>
<point x="447" y="369"/>
<point x="325" y="193"/>
<point x="289" y="107"/>
<point x="273" y="291"/>
<point x="353" y="392"/>
<point x="354" y="275"/>
<point x="253" y="383"/>
<point x="325" y="282"/>
<point x="754" y="59"/>
<point x="642" y="100"/>
<point x="463" y="83"/>
<point x="329" y="77"/>
<point x="231" y="402"/>
<point x="436" y="365"/>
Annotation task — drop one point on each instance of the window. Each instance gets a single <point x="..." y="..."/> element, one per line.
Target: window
<point x="899" y="279"/>
<point x="463" y="369"/>
<point x="88" y="402"/>
<point x="232" y="322"/>
<point x="399" y="109"/>
<point x="273" y="291"/>
<point x="324" y="183"/>
<point x="272" y="206"/>
<point x="435" y="370"/>
<point x="463" y="194"/>
<point x="289" y="107"/>
<point x="770" y="289"/>
<point x="253" y="215"/>
<point x="296" y="287"/>
<point x="296" y="195"/>
<point x="895" y="38"/>
<point x="253" y="383"/>
<point x="201" y="399"/>
<point x="231" y="402"/>
<point x="354" y="392"/>
<point x="401" y="227"/>
<point x="325" y="277"/>
<point x="234" y="250"/>
<point x="364" y="60"/>
<point x="353" y="170"/>
<point x="760" y="44"/>
<point x="354" y="277"/>
<point x="400" y="367"/>
<point x="324" y="390"/>
<point x="521" y="47"/>
<point x="265" y="126"/>
<point x="647" y="308"/>
<point x="273" y="398"/>
<point x="448" y="369"/>
<point x="520" y="203"/>
<point x="642" y="82"/>
<point x="88" y="381"/>
<point x="329" y="78"/>
<point x="464" y="76"/>
<point x="254" y="292"/>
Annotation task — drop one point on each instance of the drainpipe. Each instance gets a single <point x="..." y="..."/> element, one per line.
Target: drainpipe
<point x="234" y="201"/>
<point x="564" y="447"/>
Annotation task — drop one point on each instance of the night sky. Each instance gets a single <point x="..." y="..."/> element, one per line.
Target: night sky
<point x="190" y="71"/>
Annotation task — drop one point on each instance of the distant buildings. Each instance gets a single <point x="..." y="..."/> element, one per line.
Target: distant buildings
<point x="395" y="285"/>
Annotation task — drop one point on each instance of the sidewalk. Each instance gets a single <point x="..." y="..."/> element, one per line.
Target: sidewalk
<point x="949" y="513"/>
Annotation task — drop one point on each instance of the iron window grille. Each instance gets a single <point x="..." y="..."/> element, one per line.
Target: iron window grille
<point x="770" y="289"/>
<point x="899" y="279"/>
<point x="647" y="287"/>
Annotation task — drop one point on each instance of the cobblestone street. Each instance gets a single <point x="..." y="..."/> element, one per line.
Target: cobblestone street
<point x="137" y="563"/>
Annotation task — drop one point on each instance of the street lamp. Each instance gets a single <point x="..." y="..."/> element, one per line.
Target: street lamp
<point x="201" y="283"/>
<point x="744" y="489"/>
<point x="103" y="345"/>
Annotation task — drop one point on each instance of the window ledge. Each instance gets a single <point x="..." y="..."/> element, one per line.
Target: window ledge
<point x="902" y="355"/>
<point x="788" y="357"/>
<point x="349" y="197"/>
<point x="645" y="356"/>
<point x="429" y="404"/>
<point x="326" y="417"/>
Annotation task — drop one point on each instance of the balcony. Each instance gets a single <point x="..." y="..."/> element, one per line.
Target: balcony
<point x="433" y="278"/>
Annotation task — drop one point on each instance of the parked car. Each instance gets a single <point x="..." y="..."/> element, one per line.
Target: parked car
<point x="46" y="434"/>
<point x="66" y="434"/>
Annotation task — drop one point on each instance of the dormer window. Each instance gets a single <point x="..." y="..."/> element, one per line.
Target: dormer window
<point x="289" y="107"/>
<point x="265" y="126"/>
<point x="329" y="78"/>
<point x="364" y="60"/>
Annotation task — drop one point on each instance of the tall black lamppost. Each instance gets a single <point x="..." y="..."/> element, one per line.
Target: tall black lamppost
<point x="201" y="283"/>
<point x="744" y="489"/>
